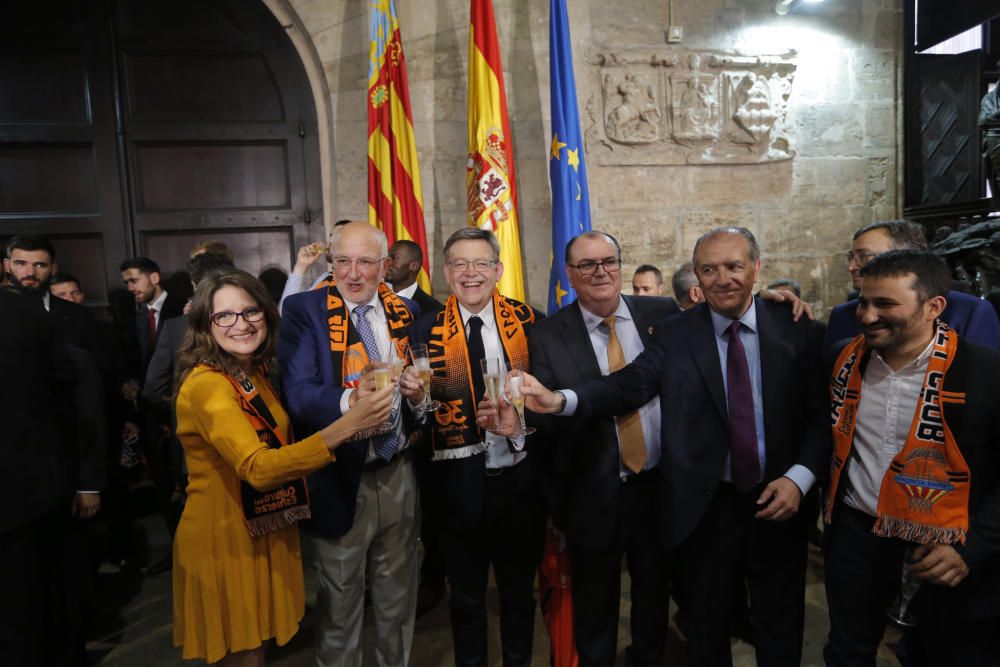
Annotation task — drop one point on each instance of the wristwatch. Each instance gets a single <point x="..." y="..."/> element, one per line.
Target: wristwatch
<point x="562" y="404"/>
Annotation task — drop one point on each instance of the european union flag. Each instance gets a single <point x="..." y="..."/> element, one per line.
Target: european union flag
<point x="567" y="171"/>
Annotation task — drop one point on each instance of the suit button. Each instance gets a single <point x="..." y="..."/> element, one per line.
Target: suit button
<point x="720" y="457"/>
<point x="708" y="490"/>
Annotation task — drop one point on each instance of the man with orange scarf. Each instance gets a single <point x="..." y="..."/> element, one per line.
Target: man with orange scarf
<point x="915" y="480"/>
<point x="483" y="486"/>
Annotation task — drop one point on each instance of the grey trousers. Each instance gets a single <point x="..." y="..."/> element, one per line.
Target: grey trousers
<point x="383" y="543"/>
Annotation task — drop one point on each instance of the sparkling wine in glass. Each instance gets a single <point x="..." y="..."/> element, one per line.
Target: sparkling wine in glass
<point x="492" y="375"/>
<point x="383" y="377"/>
<point x="517" y="398"/>
<point x="909" y="584"/>
<point x="422" y="362"/>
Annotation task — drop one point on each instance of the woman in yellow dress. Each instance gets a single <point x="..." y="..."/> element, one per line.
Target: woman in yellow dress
<point x="237" y="575"/>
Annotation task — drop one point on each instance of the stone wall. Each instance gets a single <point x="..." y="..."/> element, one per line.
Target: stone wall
<point x="821" y="160"/>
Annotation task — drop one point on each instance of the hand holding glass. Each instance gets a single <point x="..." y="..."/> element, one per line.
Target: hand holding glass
<point x="493" y="370"/>
<point x="517" y="398"/>
<point x="422" y="362"/>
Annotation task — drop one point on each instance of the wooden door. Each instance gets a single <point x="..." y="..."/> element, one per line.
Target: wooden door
<point x="141" y="127"/>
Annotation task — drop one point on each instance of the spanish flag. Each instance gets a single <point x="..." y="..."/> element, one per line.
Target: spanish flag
<point x="490" y="170"/>
<point x="395" y="201"/>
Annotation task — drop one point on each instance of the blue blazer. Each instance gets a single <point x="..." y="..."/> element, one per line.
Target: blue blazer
<point x="312" y="390"/>
<point x="973" y="318"/>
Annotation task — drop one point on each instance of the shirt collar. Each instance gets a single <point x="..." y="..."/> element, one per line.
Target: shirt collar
<point x="373" y="303"/>
<point x="486" y="315"/>
<point x="921" y="359"/>
<point x="157" y="305"/>
<point x="46" y="300"/>
<point x="592" y="321"/>
<point x="749" y="319"/>
<point x="408" y="292"/>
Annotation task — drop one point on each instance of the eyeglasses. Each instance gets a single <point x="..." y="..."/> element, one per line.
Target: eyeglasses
<point x="861" y="258"/>
<point x="479" y="265"/>
<point x="228" y="318"/>
<point x="343" y="264"/>
<point x="589" y="268"/>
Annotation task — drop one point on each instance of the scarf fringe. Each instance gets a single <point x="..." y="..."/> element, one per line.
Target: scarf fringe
<point x="260" y="526"/>
<point x="911" y="531"/>
<point x="459" y="452"/>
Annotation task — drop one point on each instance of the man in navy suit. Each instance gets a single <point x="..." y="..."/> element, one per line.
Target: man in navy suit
<point x="735" y="460"/>
<point x="604" y="506"/>
<point x="974" y="319"/>
<point x="365" y="504"/>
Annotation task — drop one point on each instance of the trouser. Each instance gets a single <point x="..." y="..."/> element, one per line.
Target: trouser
<point x="509" y="536"/>
<point x="772" y="554"/>
<point x="383" y="542"/>
<point x="597" y="582"/>
<point x="863" y="574"/>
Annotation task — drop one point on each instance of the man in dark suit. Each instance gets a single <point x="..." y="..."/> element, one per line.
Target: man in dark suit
<point x="484" y="488"/>
<point x="940" y="437"/>
<point x="736" y="461"/>
<point x="138" y="331"/>
<point x="973" y="318"/>
<point x="604" y="505"/>
<point x="37" y="624"/>
<point x="364" y="504"/>
<point x="401" y="271"/>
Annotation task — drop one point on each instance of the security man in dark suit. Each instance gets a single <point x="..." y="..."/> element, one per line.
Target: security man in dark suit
<point x="735" y="460"/>
<point x="606" y="498"/>
<point x="401" y="271"/>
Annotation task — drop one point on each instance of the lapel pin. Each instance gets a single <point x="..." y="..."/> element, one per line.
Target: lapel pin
<point x="650" y="331"/>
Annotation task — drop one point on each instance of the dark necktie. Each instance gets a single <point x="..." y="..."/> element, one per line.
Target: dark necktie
<point x="477" y="352"/>
<point x="151" y="326"/>
<point x="743" y="457"/>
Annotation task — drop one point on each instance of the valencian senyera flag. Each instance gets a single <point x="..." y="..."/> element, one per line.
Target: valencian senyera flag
<point x="567" y="170"/>
<point x="395" y="201"/>
<point x="490" y="174"/>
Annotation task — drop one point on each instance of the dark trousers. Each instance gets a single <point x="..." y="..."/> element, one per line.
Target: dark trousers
<point x="597" y="582"/>
<point x="509" y="536"/>
<point x="773" y="556"/>
<point x="45" y="579"/>
<point x="863" y="574"/>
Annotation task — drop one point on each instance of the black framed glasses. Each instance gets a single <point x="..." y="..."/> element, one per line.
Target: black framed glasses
<point x="589" y="268"/>
<point x="228" y="318"/>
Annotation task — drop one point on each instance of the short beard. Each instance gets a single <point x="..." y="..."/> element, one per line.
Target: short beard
<point x="40" y="290"/>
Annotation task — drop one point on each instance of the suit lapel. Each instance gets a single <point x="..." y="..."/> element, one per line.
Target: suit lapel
<point x="578" y="347"/>
<point x="706" y="357"/>
<point x="642" y="323"/>
<point x="773" y="358"/>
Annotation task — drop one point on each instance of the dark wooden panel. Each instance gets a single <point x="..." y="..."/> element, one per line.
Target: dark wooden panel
<point x="184" y="20"/>
<point x="255" y="249"/>
<point x="43" y="87"/>
<point x="212" y="177"/>
<point x="202" y="88"/>
<point x="40" y="178"/>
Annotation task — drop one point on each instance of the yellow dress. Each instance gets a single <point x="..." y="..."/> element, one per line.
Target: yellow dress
<point x="231" y="591"/>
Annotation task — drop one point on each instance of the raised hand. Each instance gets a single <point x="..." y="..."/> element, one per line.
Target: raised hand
<point x="537" y="397"/>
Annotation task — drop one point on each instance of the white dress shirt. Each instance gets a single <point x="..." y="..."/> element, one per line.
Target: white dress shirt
<point x="632" y="347"/>
<point x="407" y="292"/>
<point x="885" y="414"/>
<point x="157" y="306"/>
<point x="498" y="454"/>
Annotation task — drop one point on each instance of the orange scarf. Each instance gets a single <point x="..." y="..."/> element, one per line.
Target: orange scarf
<point x="267" y="511"/>
<point x="454" y="433"/>
<point x="925" y="492"/>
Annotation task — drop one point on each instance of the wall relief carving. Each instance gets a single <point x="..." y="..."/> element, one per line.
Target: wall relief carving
<point x="690" y="107"/>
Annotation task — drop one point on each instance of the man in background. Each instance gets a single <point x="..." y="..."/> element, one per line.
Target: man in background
<point x="647" y="281"/>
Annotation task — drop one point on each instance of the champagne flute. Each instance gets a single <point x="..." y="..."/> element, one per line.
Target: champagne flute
<point x="383" y="377"/>
<point x="397" y="361"/>
<point x="908" y="587"/>
<point x="422" y="362"/>
<point x="517" y="398"/>
<point x="492" y="374"/>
